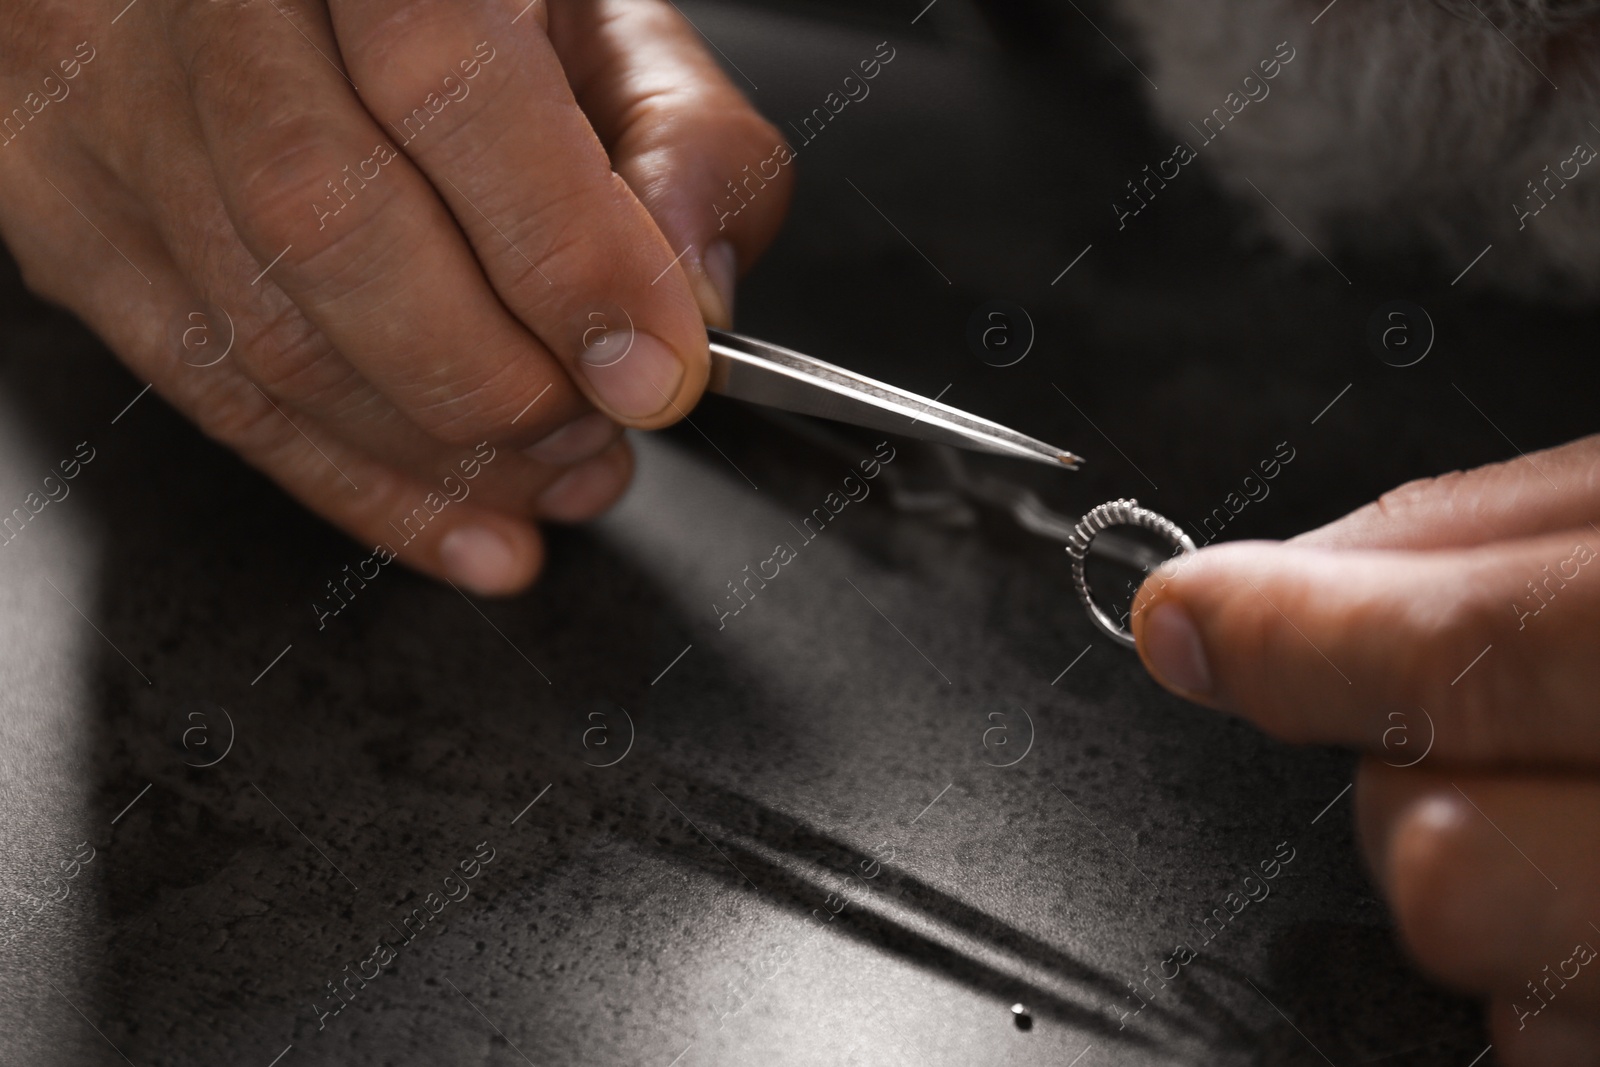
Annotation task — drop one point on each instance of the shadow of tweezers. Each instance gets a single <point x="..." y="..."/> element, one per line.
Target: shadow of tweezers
<point x="899" y="912"/>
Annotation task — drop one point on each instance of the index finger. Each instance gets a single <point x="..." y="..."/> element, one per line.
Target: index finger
<point x="1550" y="490"/>
<point x="487" y="113"/>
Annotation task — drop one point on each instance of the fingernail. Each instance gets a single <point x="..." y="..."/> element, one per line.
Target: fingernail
<point x="721" y="266"/>
<point x="634" y="375"/>
<point x="1172" y="648"/>
<point x="479" y="559"/>
<point x="582" y="438"/>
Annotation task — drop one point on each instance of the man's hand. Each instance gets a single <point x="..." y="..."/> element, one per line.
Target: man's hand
<point x="1461" y="612"/>
<point x="419" y="224"/>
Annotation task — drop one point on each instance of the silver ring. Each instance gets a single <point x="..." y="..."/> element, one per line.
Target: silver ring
<point x="1117" y="513"/>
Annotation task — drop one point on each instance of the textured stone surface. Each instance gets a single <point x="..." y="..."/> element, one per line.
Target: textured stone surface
<point x="670" y="908"/>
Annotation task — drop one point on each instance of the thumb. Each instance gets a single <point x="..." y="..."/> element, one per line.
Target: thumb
<point x="1490" y="647"/>
<point x="714" y="174"/>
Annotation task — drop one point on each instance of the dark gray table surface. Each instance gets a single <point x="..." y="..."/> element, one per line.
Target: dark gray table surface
<point x="668" y="909"/>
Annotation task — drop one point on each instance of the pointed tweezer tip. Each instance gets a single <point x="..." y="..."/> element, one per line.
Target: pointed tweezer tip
<point x="1069" y="461"/>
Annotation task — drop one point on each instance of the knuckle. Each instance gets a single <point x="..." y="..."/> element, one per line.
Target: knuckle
<point x="587" y="258"/>
<point x="279" y="173"/>
<point x="276" y="157"/>
<point x="283" y="199"/>
<point x="1443" y="667"/>
<point x="414" y="59"/>
<point x="288" y="357"/>
<point x="239" y="418"/>
<point x="463" y="415"/>
<point x="392" y="36"/>
<point x="226" y="66"/>
<point x="1402" y="503"/>
<point x="589" y="240"/>
<point x="281" y="365"/>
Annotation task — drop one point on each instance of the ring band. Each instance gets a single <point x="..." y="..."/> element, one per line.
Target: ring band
<point x="1117" y="513"/>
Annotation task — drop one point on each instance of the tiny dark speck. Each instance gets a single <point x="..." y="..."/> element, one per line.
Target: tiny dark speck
<point x="1020" y="1016"/>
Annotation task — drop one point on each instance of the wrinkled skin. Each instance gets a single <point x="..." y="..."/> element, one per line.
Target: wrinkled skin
<point x="411" y="220"/>
<point x="1410" y="619"/>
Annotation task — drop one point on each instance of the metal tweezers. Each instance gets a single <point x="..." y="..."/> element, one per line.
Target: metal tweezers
<point x="757" y="372"/>
<point x="747" y="369"/>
